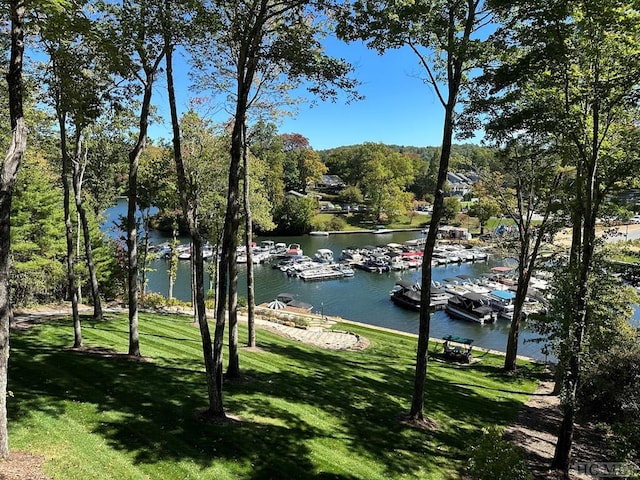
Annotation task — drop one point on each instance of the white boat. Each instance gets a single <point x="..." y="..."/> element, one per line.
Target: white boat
<point x="207" y="252"/>
<point x="502" y="302"/>
<point x="397" y="263"/>
<point x="293" y="249"/>
<point x="267" y="246"/>
<point x="320" y="273"/>
<point x="319" y="233"/>
<point x="345" y="269"/>
<point x="324" y="255"/>
<point x="453" y="287"/>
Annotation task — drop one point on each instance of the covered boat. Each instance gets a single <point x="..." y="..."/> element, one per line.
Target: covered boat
<point x="471" y="306"/>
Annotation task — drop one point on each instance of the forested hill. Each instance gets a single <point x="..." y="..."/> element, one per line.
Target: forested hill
<point x="465" y="156"/>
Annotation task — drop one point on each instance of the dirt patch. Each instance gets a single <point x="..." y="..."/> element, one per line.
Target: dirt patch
<point x="536" y="429"/>
<point x="22" y="466"/>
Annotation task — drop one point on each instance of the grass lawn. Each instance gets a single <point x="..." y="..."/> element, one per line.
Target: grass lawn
<point x="305" y="413"/>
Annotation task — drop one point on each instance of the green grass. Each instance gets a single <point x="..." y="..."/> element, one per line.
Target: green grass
<point x="306" y="413"/>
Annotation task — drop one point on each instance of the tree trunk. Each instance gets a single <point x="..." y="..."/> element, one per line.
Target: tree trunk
<point x="132" y="248"/>
<point x="173" y="256"/>
<point x="527" y="264"/>
<point x="229" y="245"/>
<point x="132" y="198"/>
<point x="524" y="276"/>
<point x="417" y="402"/>
<point x="10" y="166"/>
<point x="189" y="207"/>
<point x="455" y="62"/>
<point x="251" y="323"/>
<point x="68" y="227"/>
<point x="588" y="206"/>
<point x="78" y="173"/>
<point x="145" y="252"/>
<point x="233" y="368"/>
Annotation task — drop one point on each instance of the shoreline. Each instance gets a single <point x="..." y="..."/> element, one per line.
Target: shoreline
<point x="30" y="314"/>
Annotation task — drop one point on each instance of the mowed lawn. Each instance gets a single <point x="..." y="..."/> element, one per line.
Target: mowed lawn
<point x="303" y="412"/>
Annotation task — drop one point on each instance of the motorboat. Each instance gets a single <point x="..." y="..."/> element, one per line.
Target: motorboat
<point x="408" y="295"/>
<point x="503" y="302"/>
<point x="293" y="249"/>
<point x="471" y="306"/>
<point x="323" y="255"/>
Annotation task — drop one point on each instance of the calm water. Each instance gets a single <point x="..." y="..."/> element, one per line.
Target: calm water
<point x="363" y="298"/>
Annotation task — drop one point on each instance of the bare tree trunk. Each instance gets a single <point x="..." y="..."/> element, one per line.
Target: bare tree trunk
<point x="173" y="262"/>
<point x="527" y="264"/>
<point x="78" y="174"/>
<point x="132" y="197"/>
<point x="189" y="207"/>
<point x="10" y="166"/>
<point x="456" y="55"/>
<point x="588" y="206"/>
<point x="233" y="369"/>
<point x="145" y="252"/>
<point x="417" y="403"/>
<point x="68" y="227"/>
<point x="251" y="301"/>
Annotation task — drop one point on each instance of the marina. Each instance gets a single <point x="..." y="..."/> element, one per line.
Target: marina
<point x="365" y="295"/>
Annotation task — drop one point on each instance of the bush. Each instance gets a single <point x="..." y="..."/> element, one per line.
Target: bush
<point x="335" y="223"/>
<point x="156" y="301"/>
<point x="495" y="458"/>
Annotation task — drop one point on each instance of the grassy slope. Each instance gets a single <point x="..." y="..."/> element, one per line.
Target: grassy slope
<point x="306" y="413"/>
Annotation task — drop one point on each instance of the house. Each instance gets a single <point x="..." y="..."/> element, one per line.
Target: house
<point x="330" y="184"/>
<point x="461" y="183"/>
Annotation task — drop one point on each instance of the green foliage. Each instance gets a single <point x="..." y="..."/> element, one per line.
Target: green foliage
<point x="451" y="207"/>
<point x="295" y="215"/>
<point x="37" y="236"/>
<point x="495" y="458"/>
<point x="351" y="195"/>
<point x="266" y="145"/>
<point x="302" y="164"/>
<point x="484" y="209"/>
<point x="334" y="223"/>
<point x="157" y="302"/>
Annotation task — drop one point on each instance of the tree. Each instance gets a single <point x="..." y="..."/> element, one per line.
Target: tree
<point x="351" y="195"/>
<point x="251" y="192"/>
<point x="295" y="215"/>
<point x="385" y="177"/>
<point x="302" y="164"/>
<point x="532" y="186"/>
<point x="442" y="35"/>
<point x="10" y="166"/>
<point x="156" y="188"/>
<point x="266" y="144"/>
<point x="451" y="208"/>
<point x="142" y="52"/>
<point x="584" y="63"/>
<point x="38" y="242"/>
<point x="188" y="188"/>
<point x="483" y="210"/>
<point x="73" y="52"/>
<point x="254" y="55"/>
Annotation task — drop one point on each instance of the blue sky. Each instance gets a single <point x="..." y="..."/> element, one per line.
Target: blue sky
<point x="399" y="108"/>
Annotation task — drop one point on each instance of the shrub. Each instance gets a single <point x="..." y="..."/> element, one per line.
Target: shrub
<point x="156" y="301"/>
<point x="495" y="458"/>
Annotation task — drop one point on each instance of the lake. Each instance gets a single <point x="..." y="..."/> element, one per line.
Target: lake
<point x="363" y="297"/>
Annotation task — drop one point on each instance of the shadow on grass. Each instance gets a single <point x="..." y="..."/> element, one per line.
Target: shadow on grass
<point x="353" y="399"/>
